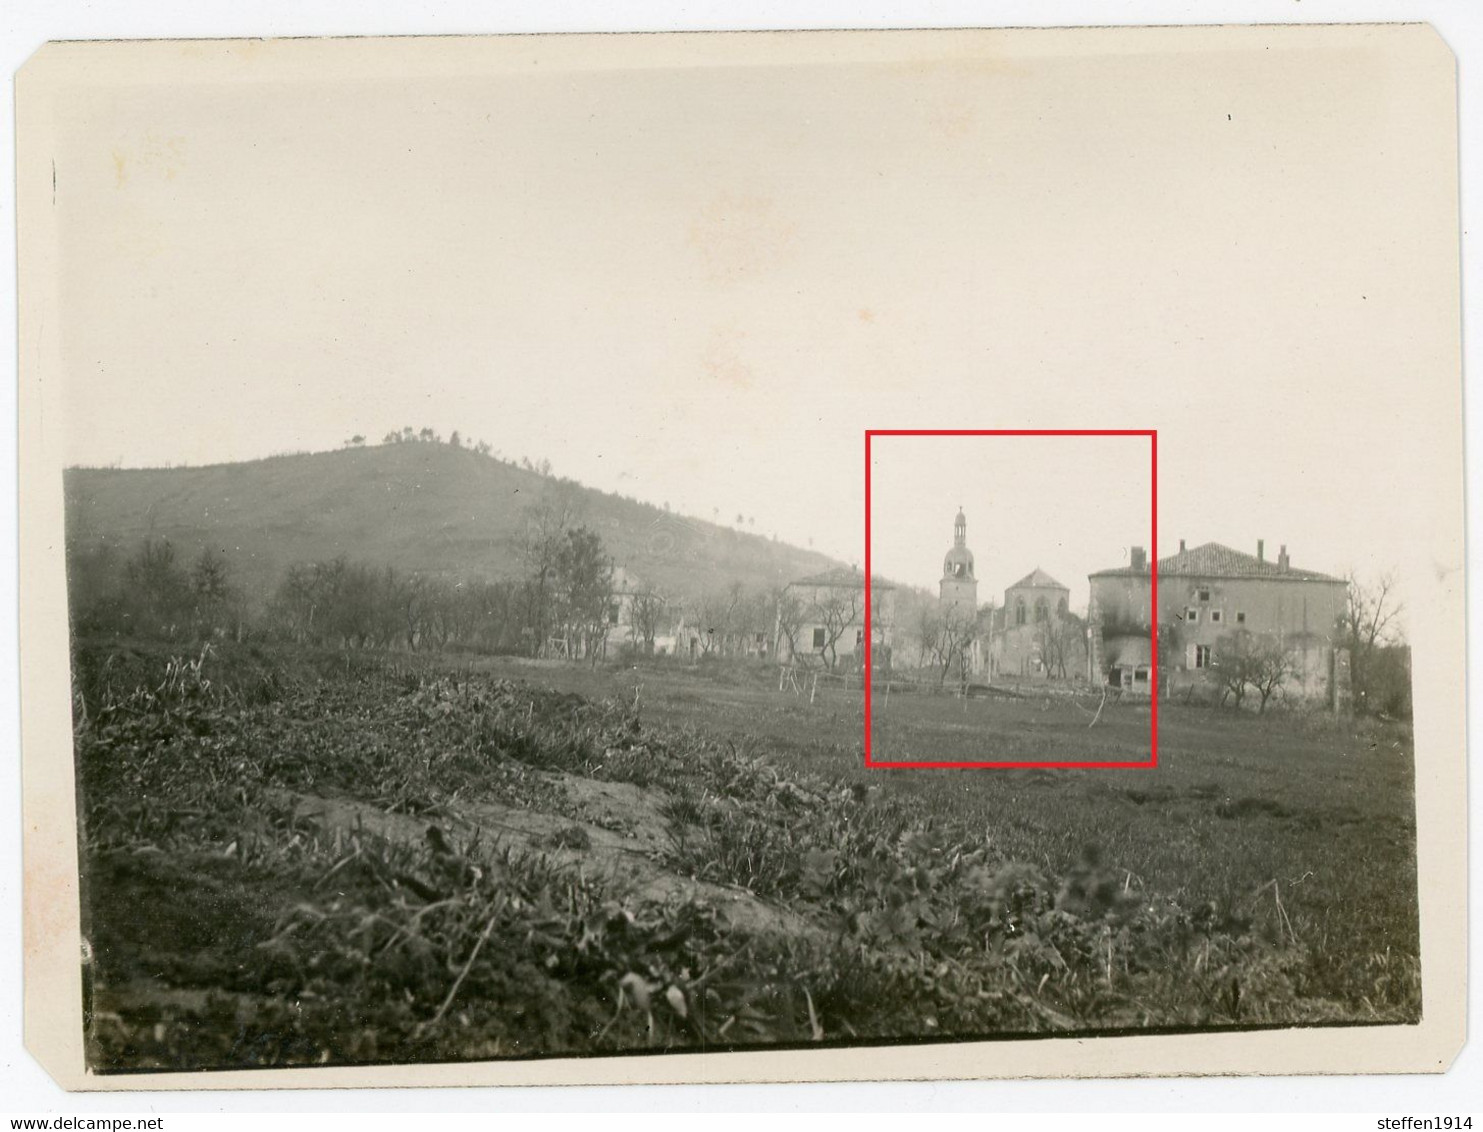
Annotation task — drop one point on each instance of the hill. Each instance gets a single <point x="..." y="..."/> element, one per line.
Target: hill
<point x="419" y="507"/>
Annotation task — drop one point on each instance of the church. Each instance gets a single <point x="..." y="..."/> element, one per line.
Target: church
<point x="957" y="592"/>
<point x="1031" y="635"/>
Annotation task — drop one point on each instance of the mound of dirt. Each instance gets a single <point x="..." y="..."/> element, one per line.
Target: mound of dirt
<point x="618" y="836"/>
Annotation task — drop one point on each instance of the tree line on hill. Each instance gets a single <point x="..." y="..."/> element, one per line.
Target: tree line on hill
<point x="565" y="594"/>
<point x="567" y="599"/>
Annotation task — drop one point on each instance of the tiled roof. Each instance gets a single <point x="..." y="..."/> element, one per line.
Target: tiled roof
<point x="1038" y="578"/>
<point x="842" y="577"/>
<point x="1212" y="560"/>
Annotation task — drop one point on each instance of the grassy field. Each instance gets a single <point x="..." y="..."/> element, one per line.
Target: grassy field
<point x="295" y="858"/>
<point x="1008" y="727"/>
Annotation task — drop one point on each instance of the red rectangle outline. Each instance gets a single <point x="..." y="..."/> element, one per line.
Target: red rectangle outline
<point x="1153" y="674"/>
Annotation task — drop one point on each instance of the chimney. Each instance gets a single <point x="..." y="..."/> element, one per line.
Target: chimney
<point x="1282" y="557"/>
<point x="1181" y="546"/>
<point x="1261" y="550"/>
<point x="1138" y="560"/>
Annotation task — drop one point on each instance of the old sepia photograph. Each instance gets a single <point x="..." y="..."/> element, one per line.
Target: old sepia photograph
<point x="568" y="549"/>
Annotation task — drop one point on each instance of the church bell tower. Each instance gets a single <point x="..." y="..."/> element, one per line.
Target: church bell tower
<point x="959" y="586"/>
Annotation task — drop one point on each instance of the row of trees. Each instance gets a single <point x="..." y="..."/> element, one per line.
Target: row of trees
<point x="944" y="637"/>
<point x="540" y="466"/>
<point x="355" y="605"/>
<point x="568" y="584"/>
<point x="426" y="435"/>
<point x="152" y="593"/>
<point x="565" y="602"/>
<point x="729" y="620"/>
<point x="561" y="604"/>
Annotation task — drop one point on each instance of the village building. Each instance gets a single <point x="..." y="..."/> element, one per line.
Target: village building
<point x="628" y="592"/>
<point x="1034" y="634"/>
<point x="1214" y="600"/>
<point x="821" y="618"/>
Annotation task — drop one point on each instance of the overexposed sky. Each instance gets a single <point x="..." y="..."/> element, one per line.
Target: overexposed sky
<point x="697" y="274"/>
<point x="1067" y="504"/>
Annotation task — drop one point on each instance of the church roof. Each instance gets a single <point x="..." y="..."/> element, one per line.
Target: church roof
<point x="1038" y="579"/>
<point x="1212" y="560"/>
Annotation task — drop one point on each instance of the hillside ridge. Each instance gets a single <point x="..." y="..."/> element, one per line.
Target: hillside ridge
<point x="423" y="507"/>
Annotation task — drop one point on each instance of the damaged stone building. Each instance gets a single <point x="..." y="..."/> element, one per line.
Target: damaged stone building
<point x="1213" y="599"/>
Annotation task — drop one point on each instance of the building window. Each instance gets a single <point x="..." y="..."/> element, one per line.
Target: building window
<point x="1202" y="656"/>
<point x="819" y="637"/>
<point x="1192" y="615"/>
<point x="757" y="639"/>
<point x="1061" y="607"/>
<point x="613" y="613"/>
<point x="1214" y="616"/>
<point x="1019" y="611"/>
<point x="1040" y="612"/>
<point x="1240" y="618"/>
<point x="1204" y="595"/>
<point x="859" y="637"/>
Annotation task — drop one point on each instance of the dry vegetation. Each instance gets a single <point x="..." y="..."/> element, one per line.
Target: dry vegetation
<point x="300" y="857"/>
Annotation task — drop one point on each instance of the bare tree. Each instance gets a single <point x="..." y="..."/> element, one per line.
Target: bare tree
<point x="735" y="623"/>
<point x="1244" y="660"/>
<point x="1272" y="664"/>
<point x="789" y="612"/>
<point x="752" y="620"/>
<point x="928" y="631"/>
<point x="540" y="543"/>
<point x="1059" y="639"/>
<point x="1370" y="623"/>
<point x="882" y="609"/>
<point x="159" y="590"/>
<point x="1232" y="665"/>
<point x="836" y="608"/>
<point x="584" y="591"/>
<point x="212" y="593"/>
<point x="409" y="597"/>
<point x="648" y="612"/>
<point x="714" y="611"/>
<point x="955" y="629"/>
